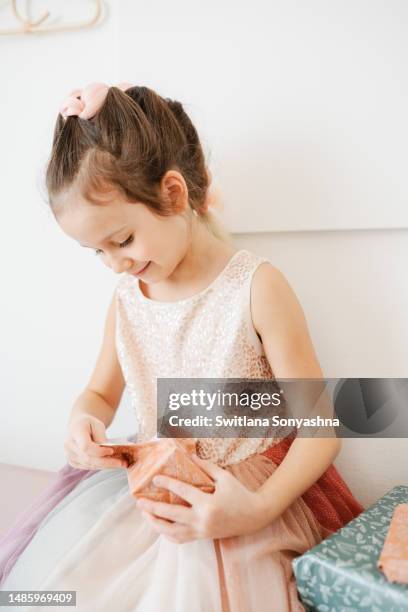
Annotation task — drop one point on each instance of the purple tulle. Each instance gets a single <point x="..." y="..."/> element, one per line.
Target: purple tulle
<point x="19" y="535"/>
<point x="22" y="531"/>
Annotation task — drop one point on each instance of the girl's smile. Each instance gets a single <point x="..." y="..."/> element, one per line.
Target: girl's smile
<point x="141" y="271"/>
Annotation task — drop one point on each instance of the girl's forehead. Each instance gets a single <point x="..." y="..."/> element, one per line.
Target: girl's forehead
<point x="89" y="223"/>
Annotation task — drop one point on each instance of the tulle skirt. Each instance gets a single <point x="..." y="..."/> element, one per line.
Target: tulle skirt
<point x="96" y="542"/>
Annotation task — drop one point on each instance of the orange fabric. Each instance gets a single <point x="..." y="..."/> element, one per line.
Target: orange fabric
<point x="393" y="560"/>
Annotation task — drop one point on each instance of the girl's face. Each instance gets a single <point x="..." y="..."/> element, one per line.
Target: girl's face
<point x="128" y="236"/>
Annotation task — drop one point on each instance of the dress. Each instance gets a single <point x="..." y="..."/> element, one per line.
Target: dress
<point x="94" y="539"/>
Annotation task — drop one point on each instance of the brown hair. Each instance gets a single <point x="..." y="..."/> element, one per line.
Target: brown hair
<point x="128" y="146"/>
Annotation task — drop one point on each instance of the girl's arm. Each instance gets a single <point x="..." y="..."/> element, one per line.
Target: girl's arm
<point x="103" y="392"/>
<point x="279" y="320"/>
<point x="90" y="403"/>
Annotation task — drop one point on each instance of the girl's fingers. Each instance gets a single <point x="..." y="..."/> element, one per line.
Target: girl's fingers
<point x="186" y="491"/>
<point x="172" y="531"/>
<point x="99" y="451"/>
<point x="162" y="526"/>
<point x="172" y="512"/>
<point x="73" y="450"/>
<point x="86" y="461"/>
<point x="92" y="448"/>
<point x="82" y="436"/>
<point x="98" y="463"/>
<point x="95" y="450"/>
<point x="92" y="463"/>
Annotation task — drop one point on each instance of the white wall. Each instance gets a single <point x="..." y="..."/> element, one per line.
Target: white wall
<point x="352" y="284"/>
<point x="312" y="89"/>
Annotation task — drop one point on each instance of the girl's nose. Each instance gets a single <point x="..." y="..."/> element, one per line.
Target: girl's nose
<point x="120" y="265"/>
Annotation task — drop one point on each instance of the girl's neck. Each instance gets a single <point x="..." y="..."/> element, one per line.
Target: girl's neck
<point x="205" y="259"/>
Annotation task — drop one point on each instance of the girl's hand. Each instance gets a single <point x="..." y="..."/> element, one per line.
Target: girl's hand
<point x="231" y="510"/>
<point x="82" y="448"/>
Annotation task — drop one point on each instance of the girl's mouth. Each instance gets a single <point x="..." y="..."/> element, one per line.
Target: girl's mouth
<point x="142" y="270"/>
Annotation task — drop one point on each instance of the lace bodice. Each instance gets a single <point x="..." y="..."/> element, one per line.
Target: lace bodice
<point x="208" y="335"/>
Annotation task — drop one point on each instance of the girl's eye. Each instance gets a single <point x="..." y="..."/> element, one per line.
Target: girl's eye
<point x="126" y="242"/>
<point x="121" y="244"/>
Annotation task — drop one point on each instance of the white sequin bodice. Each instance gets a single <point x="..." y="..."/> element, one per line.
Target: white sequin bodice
<point x="209" y="335"/>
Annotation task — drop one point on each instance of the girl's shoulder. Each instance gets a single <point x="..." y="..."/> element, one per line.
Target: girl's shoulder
<point x="280" y="321"/>
<point x="271" y="295"/>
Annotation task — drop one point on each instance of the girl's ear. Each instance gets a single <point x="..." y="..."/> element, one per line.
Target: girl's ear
<point x="174" y="189"/>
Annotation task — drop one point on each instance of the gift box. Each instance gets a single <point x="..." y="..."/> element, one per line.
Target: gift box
<point x="341" y="574"/>
<point x="167" y="456"/>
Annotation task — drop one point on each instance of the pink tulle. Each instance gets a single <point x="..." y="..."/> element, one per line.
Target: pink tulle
<point x="256" y="568"/>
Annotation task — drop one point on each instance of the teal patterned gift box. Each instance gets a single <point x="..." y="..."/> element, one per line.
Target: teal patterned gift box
<point x="340" y="574"/>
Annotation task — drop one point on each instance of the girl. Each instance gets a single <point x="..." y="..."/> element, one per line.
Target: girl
<point x="127" y="177"/>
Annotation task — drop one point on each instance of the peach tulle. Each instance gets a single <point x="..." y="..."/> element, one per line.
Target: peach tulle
<point x="256" y="569"/>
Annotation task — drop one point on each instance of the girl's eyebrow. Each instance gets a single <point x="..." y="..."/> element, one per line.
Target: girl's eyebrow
<point x="107" y="237"/>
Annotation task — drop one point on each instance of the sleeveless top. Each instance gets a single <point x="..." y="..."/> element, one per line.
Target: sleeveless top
<point x="207" y="335"/>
